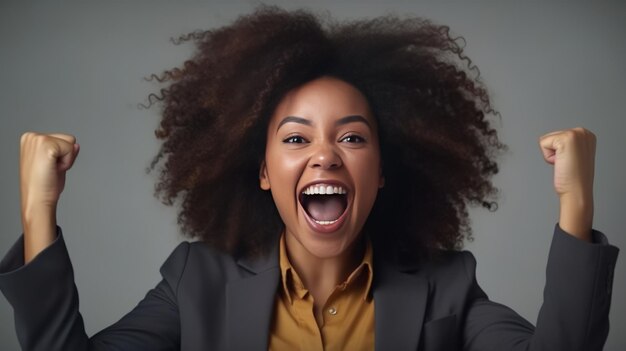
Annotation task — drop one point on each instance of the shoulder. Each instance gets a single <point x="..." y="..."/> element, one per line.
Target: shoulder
<point x="451" y="276"/>
<point x="448" y="270"/>
<point x="450" y="264"/>
<point x="446" y="281"/>
<point x="452" y="284"/>
<point x="197" y="259"/>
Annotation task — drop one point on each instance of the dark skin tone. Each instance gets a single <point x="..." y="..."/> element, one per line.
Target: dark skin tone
<point x="326" y="143"/>
<point x="323" y="134"/>
<point x="306" y="142"/>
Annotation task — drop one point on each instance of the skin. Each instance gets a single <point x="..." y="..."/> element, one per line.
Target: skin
<point x="322" y="144"/>
<point x="322" y="261"/>
<point x="44" y="160"/>
<point x="572" y="152"/>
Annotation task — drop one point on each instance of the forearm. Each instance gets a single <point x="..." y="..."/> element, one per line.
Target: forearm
<point x="577" y="295"/>
<point x="45" y="303"/>
<point x="576" y="215"/>
<point x="574" y="314"/>
<point x="39" y="226"/>
<point x="44" y="298"/>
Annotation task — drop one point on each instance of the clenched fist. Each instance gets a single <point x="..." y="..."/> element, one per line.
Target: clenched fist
<point x="572" y="152"/>
<point x="44" y="159"/>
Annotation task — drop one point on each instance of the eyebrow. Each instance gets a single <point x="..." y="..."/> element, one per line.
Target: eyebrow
<point x="341" y="121"/>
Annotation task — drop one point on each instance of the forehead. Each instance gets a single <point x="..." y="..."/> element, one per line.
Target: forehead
<point x="323" y="98"/>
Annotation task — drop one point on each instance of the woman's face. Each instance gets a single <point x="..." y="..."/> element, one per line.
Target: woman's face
<point x="322" y="165"/>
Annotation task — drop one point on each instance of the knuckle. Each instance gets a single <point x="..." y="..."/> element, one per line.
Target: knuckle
<point x="45" y="142"/>
<point x="569" y="134"/>
<point x="24" y="137"/>
<point x="39" y="138"/>
<point x="27" y="136"/>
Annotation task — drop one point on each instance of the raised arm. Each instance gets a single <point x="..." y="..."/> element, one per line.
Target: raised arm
<point x="44" y="159"/>
<point x="577" y="295"/>
<point x="37" y="277"/>
<point x="572" y="152"/>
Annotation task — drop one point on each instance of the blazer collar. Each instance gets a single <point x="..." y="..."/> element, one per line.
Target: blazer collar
<point x="250" y="302"/>
<point x="400" y="297"/>
<point x="261" y="263"/>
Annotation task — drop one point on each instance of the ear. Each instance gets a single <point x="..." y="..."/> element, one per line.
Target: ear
<point x="264" y="180"/>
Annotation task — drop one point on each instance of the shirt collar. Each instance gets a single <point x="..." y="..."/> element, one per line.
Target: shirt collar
<point x="291" y="283"/>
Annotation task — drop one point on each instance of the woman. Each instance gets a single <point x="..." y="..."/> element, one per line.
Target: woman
<point x="326" y="169"/>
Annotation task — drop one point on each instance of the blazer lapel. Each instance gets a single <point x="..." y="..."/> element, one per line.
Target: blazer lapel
<point x="249" y="304"/>
<point x="399" y="301"/>
<point x="399" y="304"/>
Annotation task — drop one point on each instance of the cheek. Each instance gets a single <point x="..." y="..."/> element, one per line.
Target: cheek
<point x="367" y="179"/>
<point x="284" y="168"/>
<point x="284" y="173"/>
<point x="366" y="168"/>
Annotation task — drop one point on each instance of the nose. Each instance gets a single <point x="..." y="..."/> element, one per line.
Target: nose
<point x="325" y="157"/>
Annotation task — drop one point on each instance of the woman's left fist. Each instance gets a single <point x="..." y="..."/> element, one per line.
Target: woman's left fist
<point x="572" y="152"/>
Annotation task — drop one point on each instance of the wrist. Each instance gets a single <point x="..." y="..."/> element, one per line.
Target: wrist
<point x="37" y="214"/>
<point x="576" y="215"/>
<point x="39" y="225"/>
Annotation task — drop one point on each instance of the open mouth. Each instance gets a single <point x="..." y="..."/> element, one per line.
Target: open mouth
<point x="324" y="203"/>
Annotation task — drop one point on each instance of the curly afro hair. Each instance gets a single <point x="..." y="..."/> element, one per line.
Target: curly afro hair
<point x="437" y="146"/>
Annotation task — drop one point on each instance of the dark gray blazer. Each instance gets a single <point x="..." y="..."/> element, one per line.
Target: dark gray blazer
<point x="208" y="301"/>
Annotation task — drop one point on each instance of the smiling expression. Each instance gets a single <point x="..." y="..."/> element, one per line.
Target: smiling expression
<point x="322" y="165"/>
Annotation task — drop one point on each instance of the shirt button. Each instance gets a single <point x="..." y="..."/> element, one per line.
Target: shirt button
<point x="332" y="311"/>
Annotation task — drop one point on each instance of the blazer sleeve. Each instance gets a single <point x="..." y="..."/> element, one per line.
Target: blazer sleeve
<point x="46" y="305"/>
<point x="575" y="311"/>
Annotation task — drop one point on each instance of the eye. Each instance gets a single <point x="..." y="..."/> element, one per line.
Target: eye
<point x="295" y="139"/>
<point x="353" y="138"/>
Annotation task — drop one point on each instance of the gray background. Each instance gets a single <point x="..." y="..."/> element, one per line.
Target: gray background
<point x="78" y="68"/>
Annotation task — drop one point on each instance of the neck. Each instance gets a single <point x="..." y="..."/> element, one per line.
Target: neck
<point x="320" y="275"/>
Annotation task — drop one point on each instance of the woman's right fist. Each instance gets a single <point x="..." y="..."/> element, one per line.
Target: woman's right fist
<point x="44" y="159"/>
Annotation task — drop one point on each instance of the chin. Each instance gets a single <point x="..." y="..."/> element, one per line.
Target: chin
<point x="323" y="245"/>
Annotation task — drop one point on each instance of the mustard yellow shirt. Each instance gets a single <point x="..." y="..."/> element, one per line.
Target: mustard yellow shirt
<point x="348" y="320"/>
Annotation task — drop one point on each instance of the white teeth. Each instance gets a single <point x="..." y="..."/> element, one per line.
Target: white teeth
<point x="324" y="190"/>
<point x="325" y="222"/>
